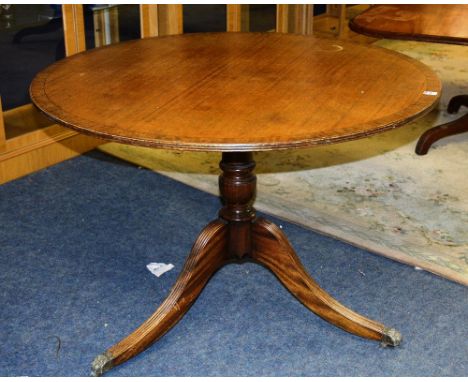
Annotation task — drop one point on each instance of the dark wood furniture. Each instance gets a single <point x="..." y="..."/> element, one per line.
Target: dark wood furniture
<point x="236" y="93"/>
<point x="447" y="23"/>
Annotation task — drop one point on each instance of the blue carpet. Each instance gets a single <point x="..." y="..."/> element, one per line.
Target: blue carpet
<point x="75" y="240"/>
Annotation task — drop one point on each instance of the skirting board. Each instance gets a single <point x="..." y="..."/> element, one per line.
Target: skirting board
<point x="39" y="149"/>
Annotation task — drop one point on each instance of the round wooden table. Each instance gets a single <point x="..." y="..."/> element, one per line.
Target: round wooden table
<point x="236" y="93"/>
<point x="441" y="23"/>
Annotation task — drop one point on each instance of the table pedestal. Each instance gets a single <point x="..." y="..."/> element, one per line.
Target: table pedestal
<point x="448" y="129"/>
<point x="237" y="236"/>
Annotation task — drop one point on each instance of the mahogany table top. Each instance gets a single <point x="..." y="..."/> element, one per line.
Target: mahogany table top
<point x="235" y="91"/>
<point x="445" y="23"/>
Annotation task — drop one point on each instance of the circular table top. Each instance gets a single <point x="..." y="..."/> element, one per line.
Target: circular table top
<point x="235" y="91"/>
<point x="444" y="23"/>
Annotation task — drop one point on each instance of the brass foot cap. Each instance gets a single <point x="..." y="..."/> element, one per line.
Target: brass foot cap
<point x="391" y="337"/>
<point x="101" y="364"/>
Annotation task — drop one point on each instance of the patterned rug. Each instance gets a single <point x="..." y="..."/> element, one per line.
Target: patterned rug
<point x="374" y="193"/>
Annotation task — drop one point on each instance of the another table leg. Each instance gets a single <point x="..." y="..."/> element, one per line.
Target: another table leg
<point x="273" y="250"/>
<point x="206" y="257"/>
<point x="447" y="129"/>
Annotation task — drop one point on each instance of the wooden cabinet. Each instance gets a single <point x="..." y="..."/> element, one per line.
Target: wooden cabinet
<point x="28" y="140"/>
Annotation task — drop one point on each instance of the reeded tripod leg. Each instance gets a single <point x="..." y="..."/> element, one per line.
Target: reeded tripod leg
<point x="448" y="129"/>
<point x="206" y="257"/>
<point x="272" y="249"/>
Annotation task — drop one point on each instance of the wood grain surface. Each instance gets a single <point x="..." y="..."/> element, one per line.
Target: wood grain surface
<point x="235" y="91"/>
<point x="446" y="23"/>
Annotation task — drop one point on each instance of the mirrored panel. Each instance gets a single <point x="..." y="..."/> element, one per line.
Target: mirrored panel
<point x="262" y="17"/>
<point x="109" y="24"/>
<point x="31" y="38"/>
<point x="204" y="18"/>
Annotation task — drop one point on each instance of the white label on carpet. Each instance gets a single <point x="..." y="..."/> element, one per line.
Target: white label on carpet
<point x="158" y="269"/>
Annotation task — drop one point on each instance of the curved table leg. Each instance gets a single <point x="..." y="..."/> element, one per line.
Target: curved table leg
<point x="206" y="257"/>
<point x="457" y="102"/>
<point x="447" y="129"/>
<point x="273" y="250"/>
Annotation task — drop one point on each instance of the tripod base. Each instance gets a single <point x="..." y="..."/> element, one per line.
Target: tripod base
<point x="238" y="234"/>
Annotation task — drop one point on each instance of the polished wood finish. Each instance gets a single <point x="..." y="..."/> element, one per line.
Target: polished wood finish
<point x="445" y="23"/>
<point x="170" y="19"/>
<point x="237" y="17"/>
<point x="160" y="19"/>
<point x="73" y="28"/>
<point x="237" y="185"/>
<point x="273" y="250"/>
<point x="282" y="18"/>
<point x="295" y="18"/>
<point x="235" y="91"/>
<point x="207" y="256"/>
<point x="149" y="20"/>
<point x="457" y="102"/>
<point x="436" y="133"/>
<point x="239" y="235"/>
